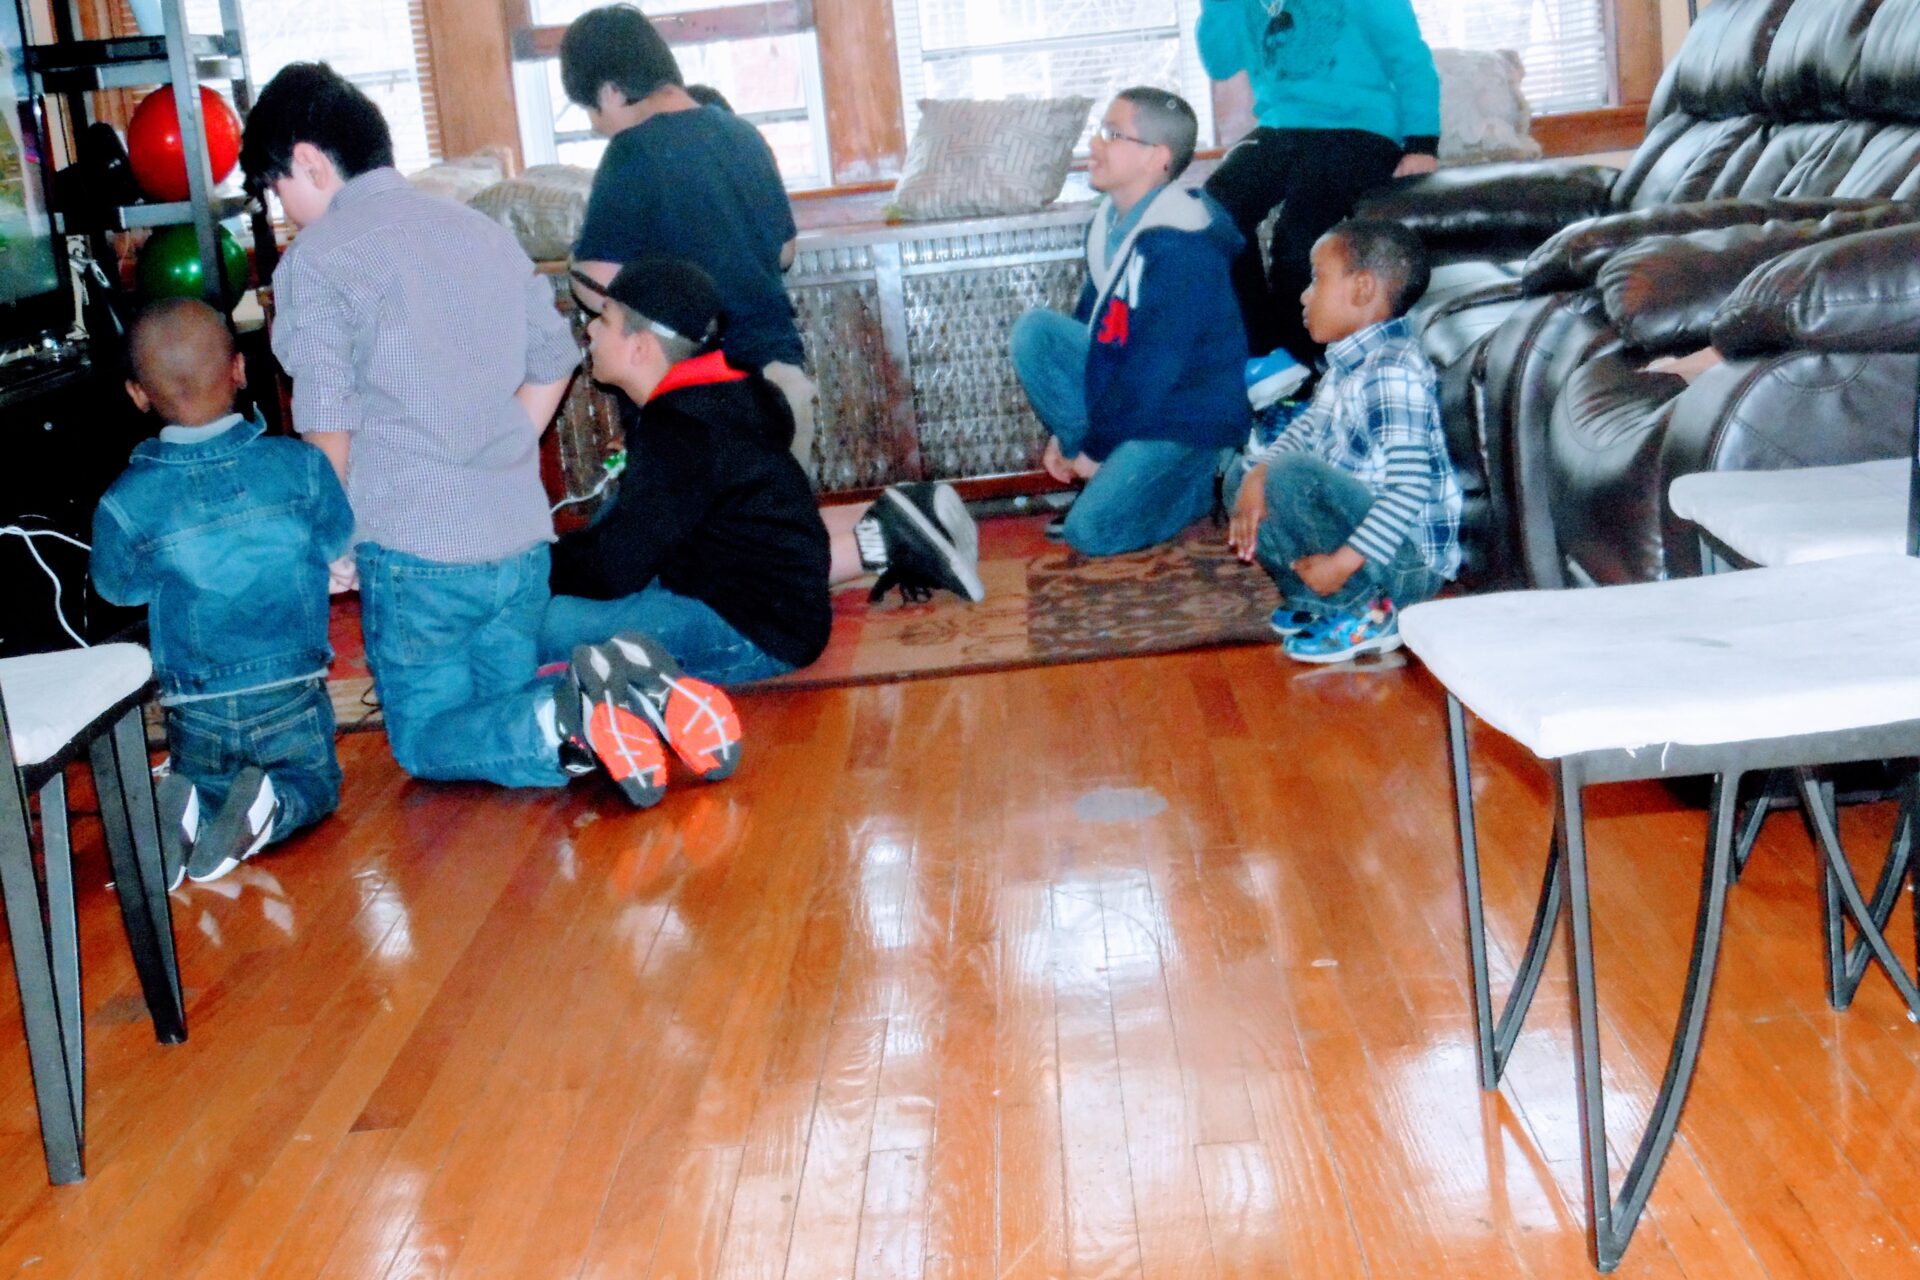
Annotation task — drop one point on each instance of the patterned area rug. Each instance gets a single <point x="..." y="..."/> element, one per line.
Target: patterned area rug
<point x="1045" y="604"/>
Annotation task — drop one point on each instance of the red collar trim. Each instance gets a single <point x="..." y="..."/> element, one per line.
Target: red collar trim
<point x="701" y="371"/>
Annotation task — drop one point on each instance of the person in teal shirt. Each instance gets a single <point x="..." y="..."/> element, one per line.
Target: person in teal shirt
<point x="1346" y="97"/>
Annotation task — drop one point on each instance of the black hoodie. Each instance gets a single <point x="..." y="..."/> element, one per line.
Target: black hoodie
<point x="713" y="505"/>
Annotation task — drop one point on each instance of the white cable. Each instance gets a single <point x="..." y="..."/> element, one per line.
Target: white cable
<point x="29" y="535"/>
<point x="596" y="491"/>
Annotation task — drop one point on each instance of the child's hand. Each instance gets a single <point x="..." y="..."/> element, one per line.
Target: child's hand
<point x="1249" y="509"/>
<point x="343" y="575"/>
<point x="1083" y="467"/>
<point x="1326" y="574"/>
<point x="1055" y="463"/>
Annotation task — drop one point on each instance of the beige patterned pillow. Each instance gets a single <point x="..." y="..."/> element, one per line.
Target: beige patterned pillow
<point x="543" y="207"/>
<point x="969" y="158"/>
<point x="1483" y="113"/>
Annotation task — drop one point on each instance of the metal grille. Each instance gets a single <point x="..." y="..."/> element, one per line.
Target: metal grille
<point x="906" y="337"/>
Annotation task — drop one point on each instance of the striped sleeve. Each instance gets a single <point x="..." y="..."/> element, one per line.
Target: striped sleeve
<point x="1399" y="500"/>
<point x="1399" y="408"/>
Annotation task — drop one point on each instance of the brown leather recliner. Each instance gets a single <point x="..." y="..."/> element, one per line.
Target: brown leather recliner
<point x="1780" y="124"/>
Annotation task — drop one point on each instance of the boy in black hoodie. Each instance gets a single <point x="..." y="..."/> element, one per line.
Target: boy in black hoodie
<point x="714" y="544"/>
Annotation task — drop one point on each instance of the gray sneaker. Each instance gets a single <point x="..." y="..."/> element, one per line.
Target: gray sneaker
<point x="241" y="828"/>
<point x="941" y="503"/>
<point x="179" y="803"/>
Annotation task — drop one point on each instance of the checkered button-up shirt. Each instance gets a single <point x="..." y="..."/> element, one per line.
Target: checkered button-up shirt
<point x="1376" y="416"/>
<point x="410" y="321"/>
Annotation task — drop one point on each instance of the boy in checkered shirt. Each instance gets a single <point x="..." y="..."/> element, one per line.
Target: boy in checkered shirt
<point x="1354" y="508"/>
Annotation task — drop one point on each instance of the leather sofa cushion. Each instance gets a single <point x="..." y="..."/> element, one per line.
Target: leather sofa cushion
<point x="1855" y="294"/>
<point x="1887" y="84"/>
<point x="1663" y="293"/>
<point x="1811" y="62"/>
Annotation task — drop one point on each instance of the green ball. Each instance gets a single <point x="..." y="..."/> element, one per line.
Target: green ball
<point x="169" y="265"/>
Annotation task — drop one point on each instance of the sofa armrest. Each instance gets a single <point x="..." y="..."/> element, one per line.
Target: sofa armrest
<point x="1573" y="257"/>
<point x="1492" y="210"/>
<point x="1662" y="294"/>
<point x="1858" y="293"/>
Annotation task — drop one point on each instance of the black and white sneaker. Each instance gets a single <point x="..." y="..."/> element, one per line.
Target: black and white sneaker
<point x="912" y="551"/>
<point x="179" y="802"/>
<point x="241" y="828"/>
<point x="598" y="728"/>
<point x="941" y="503"/>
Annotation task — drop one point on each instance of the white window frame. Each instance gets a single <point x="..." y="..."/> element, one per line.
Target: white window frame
<point x="540" y="144"/>
<point x="1194" y="85"/>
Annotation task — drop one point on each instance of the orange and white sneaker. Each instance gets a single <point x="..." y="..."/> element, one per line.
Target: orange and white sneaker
<point x="695" y="718"/>
<point x="593" y="719"/>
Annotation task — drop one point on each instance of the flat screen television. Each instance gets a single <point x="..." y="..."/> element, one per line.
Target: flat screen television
<point x="35" y="298"/>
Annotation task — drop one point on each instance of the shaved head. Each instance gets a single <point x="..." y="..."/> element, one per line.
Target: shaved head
<point x="183" y="361"/>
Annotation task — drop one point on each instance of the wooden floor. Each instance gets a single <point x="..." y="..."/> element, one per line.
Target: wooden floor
<point x="1148" y="968"/>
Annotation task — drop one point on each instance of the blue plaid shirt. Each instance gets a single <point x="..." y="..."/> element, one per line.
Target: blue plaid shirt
<point x="1376" y="416"/>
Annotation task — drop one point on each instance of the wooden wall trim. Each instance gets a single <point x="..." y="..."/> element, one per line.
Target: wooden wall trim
<point x="472" y="61"/>
<point x="1580" y="133"/>
<point x="860" y="78"/>
<point x="1638" y="50"/>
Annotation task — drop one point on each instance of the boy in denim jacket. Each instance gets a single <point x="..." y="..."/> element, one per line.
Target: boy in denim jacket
<point x="225" y="534"/>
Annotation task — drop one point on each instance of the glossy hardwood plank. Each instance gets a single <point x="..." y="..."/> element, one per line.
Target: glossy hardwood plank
<point x="917" y="994"/>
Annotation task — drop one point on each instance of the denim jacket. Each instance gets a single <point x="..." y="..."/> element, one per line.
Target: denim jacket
<point x="226" y="541"/>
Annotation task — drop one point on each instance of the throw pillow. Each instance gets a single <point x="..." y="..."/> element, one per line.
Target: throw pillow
<point x="970" y="159"/>
<point x="1483" y="114"/>
<point x="543" y="207"/>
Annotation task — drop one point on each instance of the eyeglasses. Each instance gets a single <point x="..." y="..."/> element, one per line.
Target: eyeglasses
<point x="1107" y="133"/>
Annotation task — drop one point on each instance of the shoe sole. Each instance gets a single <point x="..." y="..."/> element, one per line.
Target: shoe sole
<point x="1378" y="644"/>
<point x="235" y="823"/>
<point x="174" y="796"/>
<point x="957" y="565"/>
<point x="623" y="743"/>
<point x="959" y="523"/>
<point x="695" y="718"/>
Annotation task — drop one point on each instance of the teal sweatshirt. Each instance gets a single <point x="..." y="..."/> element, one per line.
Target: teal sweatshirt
<point x="1328" y="64"/>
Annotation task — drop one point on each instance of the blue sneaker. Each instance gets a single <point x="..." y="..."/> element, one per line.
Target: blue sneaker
<point x="1273" y="376"/>
<point x="1291" y="622"/>
<point x="1372" y="628"/>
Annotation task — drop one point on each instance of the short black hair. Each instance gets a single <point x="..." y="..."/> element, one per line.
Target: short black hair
<point x="311" y="102"/>
<point x="675" y="300"/>
<point x="708" y="96"/>
<point x="1165" y="120"/>
<point x="1394" y="254"/>
<point x="614" y="45"/>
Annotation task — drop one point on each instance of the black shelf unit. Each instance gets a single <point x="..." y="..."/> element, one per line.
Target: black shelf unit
<point x="71" y="69"/>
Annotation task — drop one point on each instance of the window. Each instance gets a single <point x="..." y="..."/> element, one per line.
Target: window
<point x="763" y="59"/>
<point x="1561" y="43"/>
<point x="378" y="44"/>
<point x="1050" y="49"/>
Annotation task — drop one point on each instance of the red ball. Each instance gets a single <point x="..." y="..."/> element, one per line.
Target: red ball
<point x="154" y="148"/>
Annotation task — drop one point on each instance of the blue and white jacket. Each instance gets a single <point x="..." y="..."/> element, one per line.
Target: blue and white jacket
<point x="1168" y="353"/>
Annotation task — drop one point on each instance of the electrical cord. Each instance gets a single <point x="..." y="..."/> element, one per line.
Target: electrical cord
<point x="28" y="535"/>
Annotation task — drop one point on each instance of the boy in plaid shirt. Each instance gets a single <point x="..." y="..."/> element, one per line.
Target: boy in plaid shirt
<point x="1354" y="508"/>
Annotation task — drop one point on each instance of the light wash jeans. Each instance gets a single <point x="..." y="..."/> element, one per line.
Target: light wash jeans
<point x="705" y="644"/>
<point x="1313" y="507"/>
<point x="1146" y="491"/>
<point x="287" y="731"/>
<point x="453" y="649"/>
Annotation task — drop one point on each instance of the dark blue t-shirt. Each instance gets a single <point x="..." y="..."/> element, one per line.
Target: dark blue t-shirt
<point x="702" y="185"/>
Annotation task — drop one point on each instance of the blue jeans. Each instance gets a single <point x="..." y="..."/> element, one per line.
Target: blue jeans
<point x="1313" y="507"/>
<point x="287" y="731"/>
<point x="705" y="644"/>
<point x="1146" y="491"/>
<point x="453" y="651"/>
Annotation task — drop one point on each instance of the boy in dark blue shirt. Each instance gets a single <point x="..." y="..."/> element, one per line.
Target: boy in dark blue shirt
<point x="225" y="535"/>
<point x="690" y="181"/>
